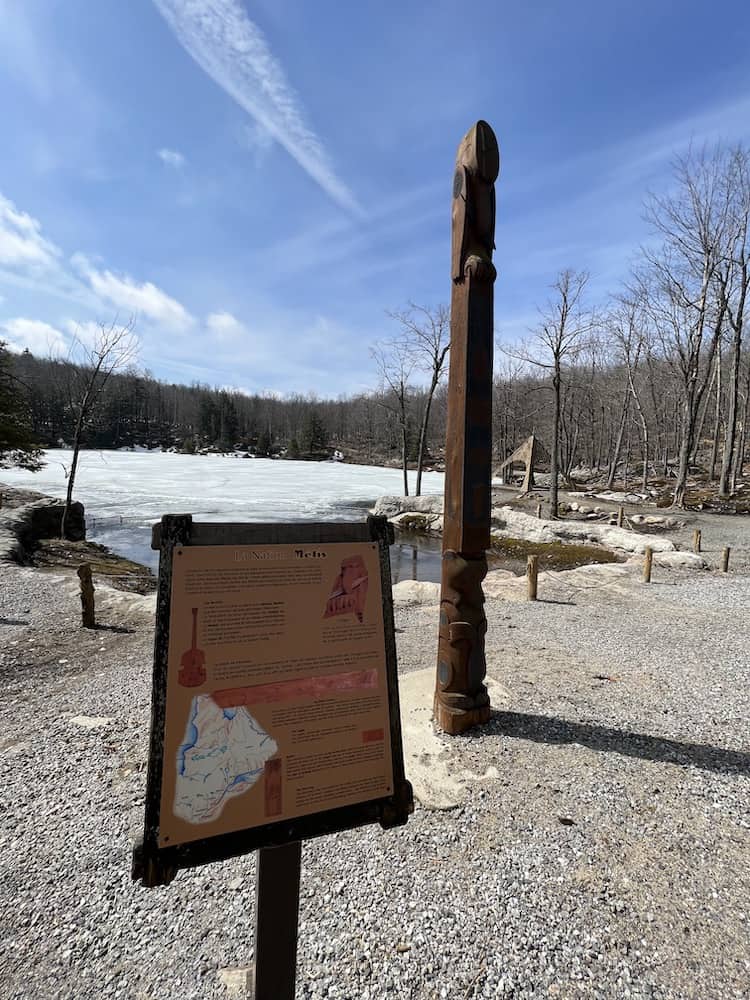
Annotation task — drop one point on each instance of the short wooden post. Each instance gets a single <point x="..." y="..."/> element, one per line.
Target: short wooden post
<point x="87" y="596"/>
<point x="532" y="573"/>
<point x="649" y="554"/>
<point x="697" y="540"/>
<point x="725" y="560"/>
<point x="620" y="516"/>
<point x="539" y="511"/>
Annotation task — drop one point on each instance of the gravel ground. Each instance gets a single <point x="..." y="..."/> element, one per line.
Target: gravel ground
<point x="609" y="857"/>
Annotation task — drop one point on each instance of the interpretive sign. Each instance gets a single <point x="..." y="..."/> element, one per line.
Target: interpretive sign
<point x="275" y="702"/>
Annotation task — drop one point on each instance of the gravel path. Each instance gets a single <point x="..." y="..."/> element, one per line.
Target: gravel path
<point x="608" y="857"/>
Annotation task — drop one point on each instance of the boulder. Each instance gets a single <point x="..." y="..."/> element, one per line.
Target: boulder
<point x="20" y="527"/>
<point x="416" y="592"/>
<point x="411" y="520"/>
<point x="516" y="524"/>
<point x="393" y="506"/>
<point x="673" y="560"/>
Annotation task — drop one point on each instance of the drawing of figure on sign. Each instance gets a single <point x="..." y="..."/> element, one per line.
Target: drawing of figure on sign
<point x="193" y="663"/>
<point x="349" y="591"/>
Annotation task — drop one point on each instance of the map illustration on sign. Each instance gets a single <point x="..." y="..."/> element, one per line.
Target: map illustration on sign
<point x="349" y="591"/>
<point x="192" y="671"/>
<point x="223" y="754"/>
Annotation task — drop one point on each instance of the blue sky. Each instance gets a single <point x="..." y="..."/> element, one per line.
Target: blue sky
<point x="259" y="181"/>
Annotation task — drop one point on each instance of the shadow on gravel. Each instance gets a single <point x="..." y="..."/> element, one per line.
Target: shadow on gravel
<point x="119" y="629"/>
<point x="13" y="621"/>
<point x="548" y="729"/>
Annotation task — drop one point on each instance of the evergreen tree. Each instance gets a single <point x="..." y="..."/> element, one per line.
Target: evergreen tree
<point x="264" y="442"/>
<point x="314" y="437"/>
<point x="17" y="446"/>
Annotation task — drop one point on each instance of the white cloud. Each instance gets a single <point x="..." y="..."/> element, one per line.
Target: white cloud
<point x="140" y="299"/>
<point x="172" y="158"/>
<point x="21" y="240"/>
<point x="258" y="141"/>
<point x="225" y="326"/>
<point x="40" y="338"/>
<point x="233" y="51"/>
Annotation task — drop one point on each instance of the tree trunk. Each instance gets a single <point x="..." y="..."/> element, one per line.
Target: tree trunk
<point x="554" y="457"/>
<point x="618" y="442"/>
<point x="405" y="456"/>
<point x="730" y="432"/>
<point x="423" y="436"/>
<point x="739" y="461"/>
<point x="83" y="410"/>
<point x="686" y="443"/>
<point x="717" y="421"/>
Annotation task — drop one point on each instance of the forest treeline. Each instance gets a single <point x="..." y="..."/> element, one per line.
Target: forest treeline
<point x="652" y="385"/>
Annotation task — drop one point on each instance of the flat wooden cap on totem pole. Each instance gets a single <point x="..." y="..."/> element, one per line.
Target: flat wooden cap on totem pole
<point x="461" y="699"/>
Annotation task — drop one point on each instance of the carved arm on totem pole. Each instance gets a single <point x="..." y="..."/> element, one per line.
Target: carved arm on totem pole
<point x="461" y="699"/>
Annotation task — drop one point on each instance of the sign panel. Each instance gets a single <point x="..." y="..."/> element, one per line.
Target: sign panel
<point x="275" y="699"/>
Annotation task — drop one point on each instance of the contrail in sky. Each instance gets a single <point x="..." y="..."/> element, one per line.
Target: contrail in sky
<point x="228" y="46"/>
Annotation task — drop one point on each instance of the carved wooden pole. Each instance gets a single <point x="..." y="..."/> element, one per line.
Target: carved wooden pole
<point x="461" y="699"/>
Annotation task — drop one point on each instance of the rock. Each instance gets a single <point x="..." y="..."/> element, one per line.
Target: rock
<point x="516" y="524"/>
<point x="412" y="520"/>
<point x="680" y="560"/>
<point x="238" y="982"/>
<point x="393" y="506"/>
<point x="91" y="721"/>
<point x="20" y="527"/>
<point x="416" y="592"/>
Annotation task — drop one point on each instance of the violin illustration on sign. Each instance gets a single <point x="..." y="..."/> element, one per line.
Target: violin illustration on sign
<point x="349" y="590"/>
<point x="192" y="671"/>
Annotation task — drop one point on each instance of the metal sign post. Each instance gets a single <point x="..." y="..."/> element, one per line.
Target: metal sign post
<point x="277" y="911"/>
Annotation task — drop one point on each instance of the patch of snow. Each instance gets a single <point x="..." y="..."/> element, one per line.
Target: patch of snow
<point x="416" y="592"/>
<point x="393" y="506"/>
<point x="516" y="524"/>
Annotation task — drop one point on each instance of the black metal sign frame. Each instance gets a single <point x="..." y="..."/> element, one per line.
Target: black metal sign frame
<point x="154" y="865"/>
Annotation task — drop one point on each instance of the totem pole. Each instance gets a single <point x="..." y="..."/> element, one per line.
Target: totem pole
<point x="461" y="699"/>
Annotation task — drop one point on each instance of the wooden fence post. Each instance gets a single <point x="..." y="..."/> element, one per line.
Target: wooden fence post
<point x="620" y="516"/>
<point x="532" y="572"/>
<point x="87" y="596"/>
<point x="725" y="560"/>
<point x="697" y="540"/>
<point x="539" y="511"/>
<point x="649" y="554"/>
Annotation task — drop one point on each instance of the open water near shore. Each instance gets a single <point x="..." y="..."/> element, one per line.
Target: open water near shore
<point x="125" y="492"/>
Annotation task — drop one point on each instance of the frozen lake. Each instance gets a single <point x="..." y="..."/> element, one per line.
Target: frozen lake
<point x="125" y="492"/>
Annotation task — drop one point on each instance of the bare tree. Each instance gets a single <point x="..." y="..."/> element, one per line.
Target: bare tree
<point x="685" y="289"/>
<point x="627" y="326"/>
<point x="734" y="281"/>
<point x="395" y="362"/>
<point x="556" y="342"/>
<point x="426" y="333"/>
<point x="91" y="367"/>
